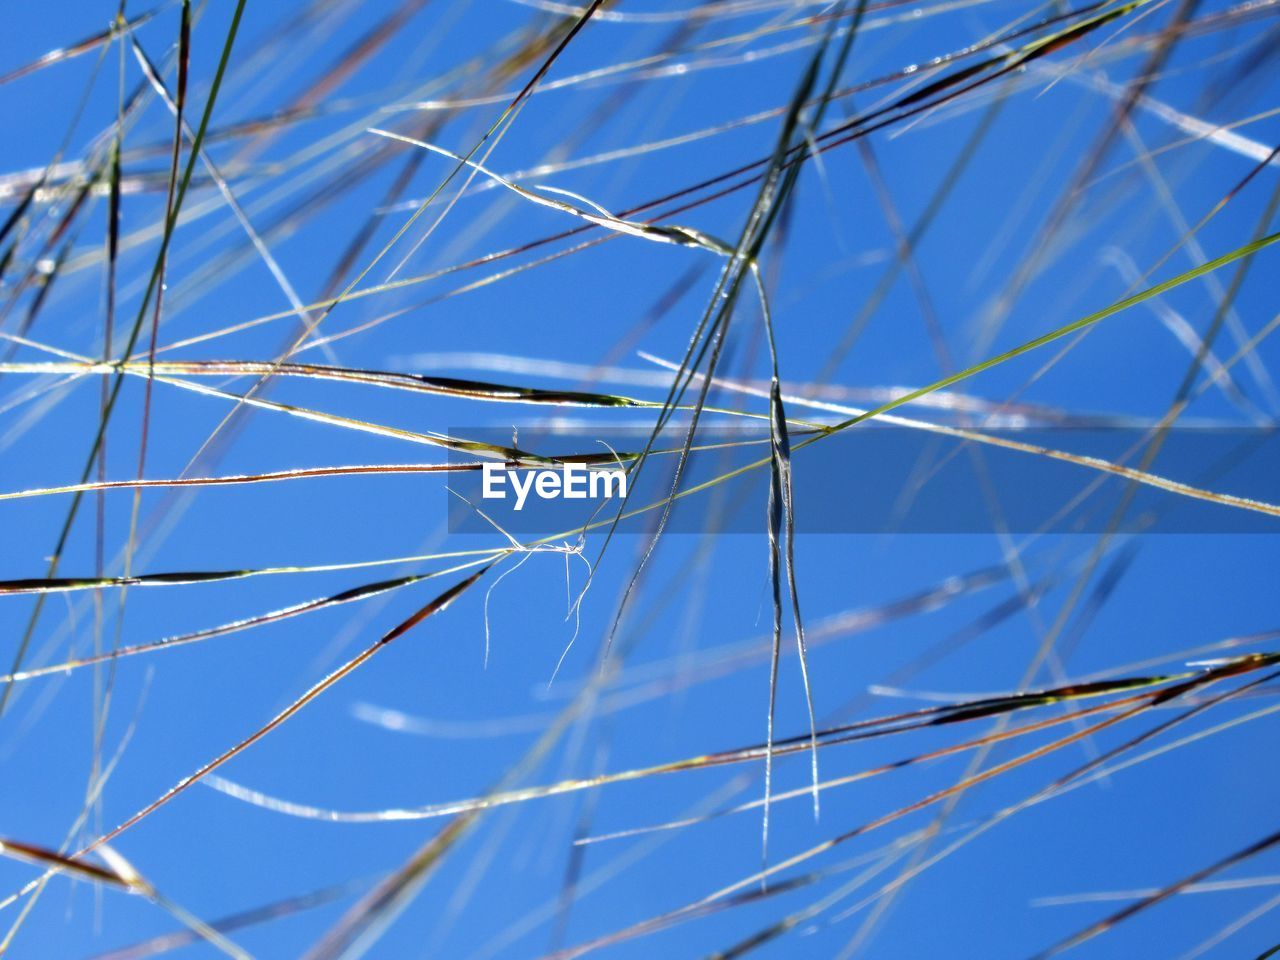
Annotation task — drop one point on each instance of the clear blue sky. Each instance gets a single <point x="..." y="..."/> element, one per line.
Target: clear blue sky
<point x="692" y="655"/>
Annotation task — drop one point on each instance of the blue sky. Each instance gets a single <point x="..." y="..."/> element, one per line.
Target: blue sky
<point x="687" y="673"/>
